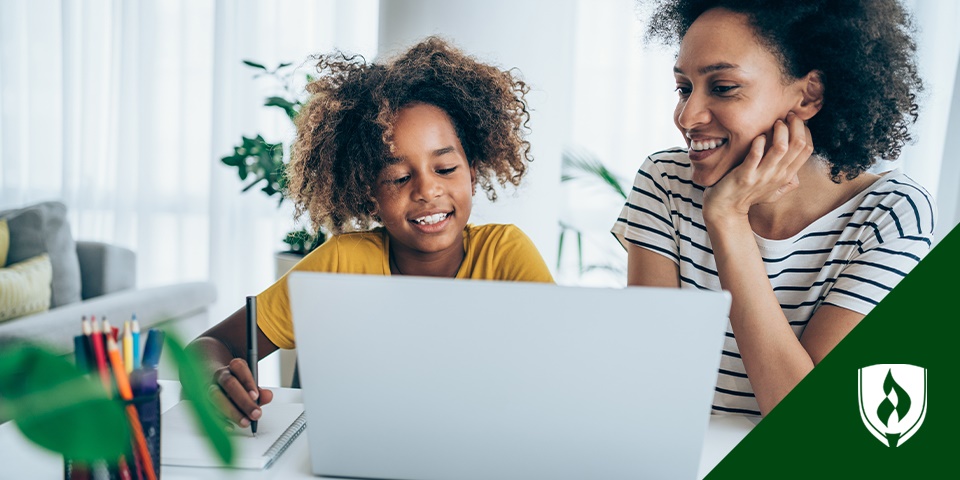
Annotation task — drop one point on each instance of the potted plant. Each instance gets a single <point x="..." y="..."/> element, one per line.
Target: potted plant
<point x="262" y="164"/>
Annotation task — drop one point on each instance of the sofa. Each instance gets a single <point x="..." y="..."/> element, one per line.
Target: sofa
<point x="85" y="278"/>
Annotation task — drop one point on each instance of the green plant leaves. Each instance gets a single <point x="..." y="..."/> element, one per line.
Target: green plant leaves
<point x="261" y="159"/>
<point x="265" y="162"/>
<point x="289" y="107"/>
<point x="58" y="407"/>
<point x="303" y="241"/>
<point x="195" y="388"/>
<point x="254" y="65"/>
<point x="577" y="164"/>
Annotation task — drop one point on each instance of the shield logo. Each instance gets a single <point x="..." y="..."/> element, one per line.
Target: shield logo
<point x="893" y="401"/>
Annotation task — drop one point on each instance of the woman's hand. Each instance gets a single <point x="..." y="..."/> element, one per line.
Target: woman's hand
<point x="762" y="177"/>
<point x="235" y="393"/>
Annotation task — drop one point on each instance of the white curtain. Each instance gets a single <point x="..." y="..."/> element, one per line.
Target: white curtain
<point x="623" y="111"/>
<point x="122" y="109"/>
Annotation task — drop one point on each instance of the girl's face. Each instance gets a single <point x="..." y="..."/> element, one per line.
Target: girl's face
<point x="731" y="91"/>
<point x="424" y="199"/>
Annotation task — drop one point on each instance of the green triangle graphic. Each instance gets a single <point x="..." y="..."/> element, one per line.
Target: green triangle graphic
<point x="816" y="431"/>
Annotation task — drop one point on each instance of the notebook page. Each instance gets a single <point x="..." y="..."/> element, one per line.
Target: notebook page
<point x="182" y="444"/>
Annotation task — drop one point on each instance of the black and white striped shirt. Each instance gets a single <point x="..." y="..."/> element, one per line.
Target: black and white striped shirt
<point x="850" y="257"/>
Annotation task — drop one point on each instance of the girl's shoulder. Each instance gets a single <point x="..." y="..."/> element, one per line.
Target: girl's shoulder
<point x="493" y="232"/>
<point x="350" y="244"/>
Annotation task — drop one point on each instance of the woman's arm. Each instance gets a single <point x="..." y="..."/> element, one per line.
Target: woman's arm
<point x="775" y="360"/>
<point x="650" y="269"/>
<point x="223" y="349"/>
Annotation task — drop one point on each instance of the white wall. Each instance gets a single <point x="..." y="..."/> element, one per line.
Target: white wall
<point x="537" y="38"/>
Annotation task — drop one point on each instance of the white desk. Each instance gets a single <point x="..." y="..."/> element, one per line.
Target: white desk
<point x="19" y="458"/>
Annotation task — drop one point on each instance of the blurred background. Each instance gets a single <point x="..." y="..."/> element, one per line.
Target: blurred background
<point x="123" y="110"/>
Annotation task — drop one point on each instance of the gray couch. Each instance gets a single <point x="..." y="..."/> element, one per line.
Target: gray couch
<point x="106" y="276"/>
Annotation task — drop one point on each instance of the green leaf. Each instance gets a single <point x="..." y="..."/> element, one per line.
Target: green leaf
<point x="585" y="163"/>
<point x="254" y="65"/>
<point x="283" y="103"/>
<point x="58" y="407"/>
<point x="195" y="389"/>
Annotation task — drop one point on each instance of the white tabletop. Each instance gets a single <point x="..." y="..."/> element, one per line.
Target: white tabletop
<point x="19" y="458"/>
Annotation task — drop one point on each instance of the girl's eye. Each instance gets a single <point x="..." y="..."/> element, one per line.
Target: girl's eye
<point x="446" y="171"/>
<point x="401" y="180"/>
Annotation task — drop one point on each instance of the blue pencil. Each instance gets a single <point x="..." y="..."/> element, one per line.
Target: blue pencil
<point x="135" y="330"/>
<point x="151" y="349"/>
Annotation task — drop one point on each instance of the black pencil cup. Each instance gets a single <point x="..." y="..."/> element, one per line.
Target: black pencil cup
<point x="148" y="412"/>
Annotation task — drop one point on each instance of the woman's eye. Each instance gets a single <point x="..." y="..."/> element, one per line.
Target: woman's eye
<point x="724" y="89"/>
<point x="683" y="90"/>
<point x="446" y="171"/>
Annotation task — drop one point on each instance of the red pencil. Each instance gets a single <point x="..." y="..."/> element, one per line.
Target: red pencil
<point x="96" y="338"/>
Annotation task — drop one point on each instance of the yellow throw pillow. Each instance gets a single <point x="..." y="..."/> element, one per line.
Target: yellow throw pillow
<point x="4" y="242"/>
<point x="25" y="287"/>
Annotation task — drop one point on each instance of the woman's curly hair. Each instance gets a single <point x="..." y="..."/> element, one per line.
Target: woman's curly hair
<point x="864" y="52"/>
<point x="344" y="130"/>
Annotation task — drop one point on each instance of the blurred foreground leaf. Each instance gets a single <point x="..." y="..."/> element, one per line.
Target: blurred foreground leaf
<point x="58" y="407"/>
<point x="195" y="389"/>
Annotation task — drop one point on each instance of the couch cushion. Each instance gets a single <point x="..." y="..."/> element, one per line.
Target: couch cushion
<point x="43" y="228"/>
<point x="4" y="242"/>
<point x="25" y="287"/>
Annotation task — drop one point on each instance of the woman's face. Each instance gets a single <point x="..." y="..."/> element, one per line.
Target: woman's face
<point x="731" y="91"/>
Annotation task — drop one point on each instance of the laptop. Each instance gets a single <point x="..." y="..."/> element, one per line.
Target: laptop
<point x="421" y="378"/>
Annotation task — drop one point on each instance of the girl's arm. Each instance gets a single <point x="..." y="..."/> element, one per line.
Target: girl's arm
<point x="223" y="348"/>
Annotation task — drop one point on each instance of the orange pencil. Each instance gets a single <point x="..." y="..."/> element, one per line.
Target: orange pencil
<point x="123" y="386"/>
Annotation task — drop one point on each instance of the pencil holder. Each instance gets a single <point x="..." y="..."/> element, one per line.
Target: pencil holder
<point x="148" y="413"/>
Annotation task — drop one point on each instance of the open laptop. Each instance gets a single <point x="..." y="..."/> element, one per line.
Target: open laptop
<point x="421" y="378"/>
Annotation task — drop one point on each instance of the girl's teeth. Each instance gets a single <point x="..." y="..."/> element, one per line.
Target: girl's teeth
<point x="431" y="219"/>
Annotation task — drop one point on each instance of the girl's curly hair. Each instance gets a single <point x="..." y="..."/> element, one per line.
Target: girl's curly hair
<point x="864" y="52"/>
<point x="344" y="130"/>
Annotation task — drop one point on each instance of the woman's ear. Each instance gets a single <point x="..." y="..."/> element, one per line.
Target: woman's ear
<point x="811" y="91"/>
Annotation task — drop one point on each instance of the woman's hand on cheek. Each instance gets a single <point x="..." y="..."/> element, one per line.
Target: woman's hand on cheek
<point x="766" y="174"/>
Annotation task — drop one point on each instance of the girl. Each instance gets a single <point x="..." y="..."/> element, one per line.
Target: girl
<point x="403" y="145"/>
<point x="784" y="106"/>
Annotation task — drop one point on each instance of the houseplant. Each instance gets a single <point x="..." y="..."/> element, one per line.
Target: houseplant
<point x="262" y="164"/>
<point x="581" y="165"/>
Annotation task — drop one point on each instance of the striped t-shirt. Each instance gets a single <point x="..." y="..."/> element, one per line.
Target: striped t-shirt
<point x="850" y="257"/>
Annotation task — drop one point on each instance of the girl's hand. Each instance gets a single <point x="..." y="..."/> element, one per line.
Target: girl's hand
<point x="235" y="393"/>
<point x="762" y="177"/>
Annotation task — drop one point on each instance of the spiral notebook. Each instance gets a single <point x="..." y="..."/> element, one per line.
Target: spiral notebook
<point x="182" y="444"/>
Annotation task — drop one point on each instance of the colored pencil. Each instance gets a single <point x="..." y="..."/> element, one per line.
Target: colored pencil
<point x="135" y="331"/>
<point x="123" y="386"/>
<point x="96" y="338"/>
<point x="127" y="339"/>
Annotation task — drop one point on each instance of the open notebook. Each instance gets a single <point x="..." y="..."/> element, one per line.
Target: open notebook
<point x="182" y="444"/>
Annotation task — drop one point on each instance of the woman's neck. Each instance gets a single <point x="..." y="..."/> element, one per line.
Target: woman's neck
<point x="816" y="196"/>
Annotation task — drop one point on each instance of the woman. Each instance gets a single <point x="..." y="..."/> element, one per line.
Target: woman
<point x="784" y="107"/>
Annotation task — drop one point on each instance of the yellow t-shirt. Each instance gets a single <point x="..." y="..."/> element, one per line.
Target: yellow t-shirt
<point x="493" y="252"/>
